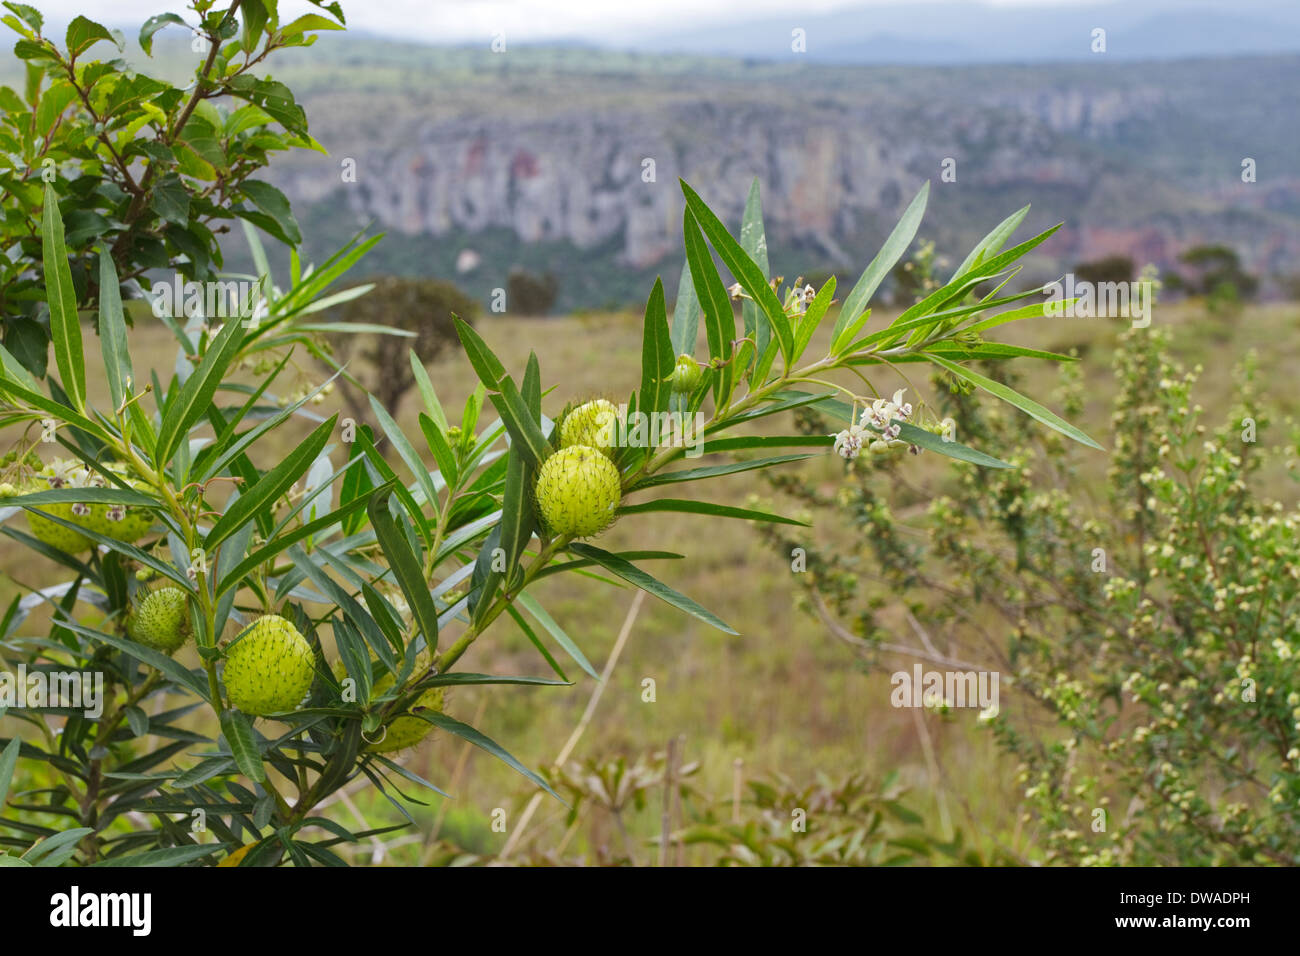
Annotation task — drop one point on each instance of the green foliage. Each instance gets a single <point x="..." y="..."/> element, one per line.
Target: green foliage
<point x="395" y="567"/>
<point x="152" y="171"/>
<point x="1144" y="629"/>
<point x="1215" y="273"/>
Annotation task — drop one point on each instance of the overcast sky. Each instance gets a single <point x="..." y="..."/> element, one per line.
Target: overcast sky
<point x="521" y="20"/>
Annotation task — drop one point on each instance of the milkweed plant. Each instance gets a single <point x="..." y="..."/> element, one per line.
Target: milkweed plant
<point x="320" y="604"/>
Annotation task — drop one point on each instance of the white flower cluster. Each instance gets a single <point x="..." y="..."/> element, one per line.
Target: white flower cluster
<point x="884" y="417"/>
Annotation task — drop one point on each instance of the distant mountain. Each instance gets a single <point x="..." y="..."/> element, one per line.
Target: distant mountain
<point x="932" y="33"/>
<point x="537" y="159"/>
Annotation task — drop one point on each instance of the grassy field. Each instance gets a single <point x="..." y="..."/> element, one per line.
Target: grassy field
<point x="782" y="696"/>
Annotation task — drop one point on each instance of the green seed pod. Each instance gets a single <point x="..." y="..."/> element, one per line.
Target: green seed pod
<point x="591" y="424"/>
<point x="577" y="490"/>
<point x="161" y="620"/>
<point x="269" y="667"/>
<point x="686" y="375"/>
<point x="407" y="730"/>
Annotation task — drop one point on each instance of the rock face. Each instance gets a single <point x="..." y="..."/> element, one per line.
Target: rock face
<point x="593" y="161"/>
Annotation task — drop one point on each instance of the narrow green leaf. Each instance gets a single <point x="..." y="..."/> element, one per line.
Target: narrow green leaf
<point x="61" y="297"/>
<point x="656" y="354"/>
<point x="747" y="273"/>
<point x="686" y="315"/>
<point x="427" y="393"/>
<point x="486" y="364"/>
<point x="692" y="474"/>
<point x="885" y="260"/>
<point x="719" y="319"/>
<point x="466" y="732"/>
<point x="811" y="319"/>
<point x="1012" y="397"/>
<point x="238" y="731"/>
<point x="406" y="568"/>
<point x="8" y="759"/>
<point x="993" y="242"/>
<point x="405" y="451"/>
<point x="539" y="613"/>
<point x="753" y="239"/>
<point x="688" y="506"/>
<point x="271" y="486"/>
<point x="112" y="331"/>
<point x="196" y="394"/>
<point x="633" y="575"/>
<point x="525" y="430"/>
<point x="169" y="856"/>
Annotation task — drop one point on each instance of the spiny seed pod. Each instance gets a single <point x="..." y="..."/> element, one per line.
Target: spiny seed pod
<point x="57" y="535"/>
<point x="161" y="620"/>
<point x="112" y="521"/>
<point x="577" y="490"/>
<point x="405" y="731"/>
<point x="686" y="375"/>
<point x="591" y="424"/>
<point x="269" y="667"/>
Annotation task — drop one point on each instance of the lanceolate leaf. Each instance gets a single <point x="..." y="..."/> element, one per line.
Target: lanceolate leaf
<point x="406" y="568"/>
<point x="525" y="430"/>
<point x="271" y="486"/>
<point x="1012" y="397"/>
<point x="466" y="732"/>
<point x="405" y="450"/>
<point x="633" y="575"/>
<point x="196" y="394"/>
<point x="540" y="614"/>
<point x="753" y="239"/>
<point x="656" y="354"/>
<point x="112" y="331"/>
<point x="747" y="273"/>
<point x="238" y="732"/>
<point x="670" y="477"/>
<point x="486" y="364"/>
<point x="856" y="302"/>
<point x="719" y="320"/>
<point x="688" y="506"/>
<point x="686" y="315"/>
<point x="65" y="327"/>
<point x="812" y="318"/>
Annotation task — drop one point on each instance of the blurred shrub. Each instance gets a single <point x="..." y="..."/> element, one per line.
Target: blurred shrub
<point x="1146" y="646"/>
<point x="1107" y="269"/>
<point x="422" y="307"/>
<point x="529" y="294"/>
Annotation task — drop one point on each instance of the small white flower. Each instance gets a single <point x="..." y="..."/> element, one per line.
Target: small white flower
<point x="882" y="413"/>
<point x="848" y="443"/>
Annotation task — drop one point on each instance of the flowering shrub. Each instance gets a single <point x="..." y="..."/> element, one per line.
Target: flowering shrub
<point x="327" y="594"/>
<point x="1151" y="635"/>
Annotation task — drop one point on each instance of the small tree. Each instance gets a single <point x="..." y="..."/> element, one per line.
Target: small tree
<point x="416" y="316"/>
<point x="1108" y="269"/>
<point x="529" y="294"/>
